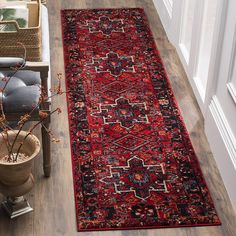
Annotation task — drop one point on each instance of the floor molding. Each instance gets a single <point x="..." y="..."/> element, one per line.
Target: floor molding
<point x="223" y="145"/>
<point x="224" y="129"/>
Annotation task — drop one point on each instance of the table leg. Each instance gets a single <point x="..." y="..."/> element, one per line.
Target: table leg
<point x="46" y="148"/>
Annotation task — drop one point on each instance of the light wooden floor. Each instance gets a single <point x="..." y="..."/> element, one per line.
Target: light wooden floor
<point x="53" y="199"/>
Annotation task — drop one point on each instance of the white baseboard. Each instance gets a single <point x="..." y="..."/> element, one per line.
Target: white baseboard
<point x="164" y="15"/>
<point x="223" y="145"/>
<point x="197" y="90"/>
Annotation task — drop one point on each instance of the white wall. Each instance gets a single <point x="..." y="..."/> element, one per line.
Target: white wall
<point x="221" y="114"/>
<point x="191" y="27"/>
<point x="204" y="34"/>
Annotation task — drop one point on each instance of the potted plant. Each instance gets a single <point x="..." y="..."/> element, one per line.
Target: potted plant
<point x="18" y="148"/>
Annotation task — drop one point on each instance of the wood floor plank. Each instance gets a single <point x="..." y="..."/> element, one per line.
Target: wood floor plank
<point x="53" y="198"/>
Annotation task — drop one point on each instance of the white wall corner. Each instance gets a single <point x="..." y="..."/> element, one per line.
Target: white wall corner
<point x="223" y="145"/>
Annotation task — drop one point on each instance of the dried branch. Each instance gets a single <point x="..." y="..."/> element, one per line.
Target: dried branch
<point x="31" y="129"/>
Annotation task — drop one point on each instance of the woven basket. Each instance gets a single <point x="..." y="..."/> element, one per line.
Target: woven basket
<point x="30" y="37"/>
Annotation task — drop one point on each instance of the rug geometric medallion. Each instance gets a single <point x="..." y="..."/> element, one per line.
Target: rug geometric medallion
<point x="134" y="166"/>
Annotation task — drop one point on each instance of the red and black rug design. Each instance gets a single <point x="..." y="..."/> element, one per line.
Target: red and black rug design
<point x="133" y="162"/>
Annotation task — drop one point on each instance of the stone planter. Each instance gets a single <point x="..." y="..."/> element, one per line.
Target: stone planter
<point x="16" y="178"/>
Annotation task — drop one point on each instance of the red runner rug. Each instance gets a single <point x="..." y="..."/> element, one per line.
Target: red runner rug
<point x="134" y="165"/>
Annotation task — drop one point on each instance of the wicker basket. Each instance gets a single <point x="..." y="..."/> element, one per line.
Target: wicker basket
<point x="30" y="37"/>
